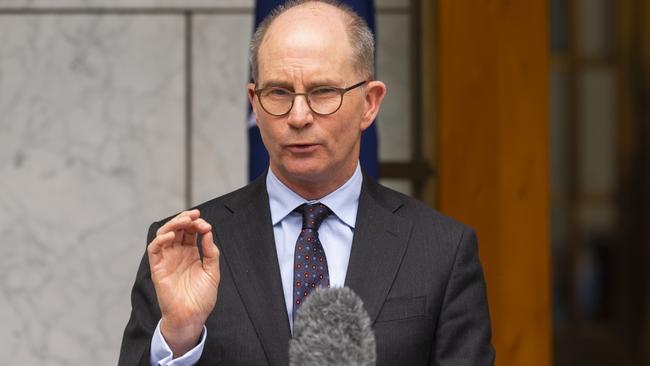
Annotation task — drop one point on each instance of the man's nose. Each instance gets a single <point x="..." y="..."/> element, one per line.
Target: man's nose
<point x="300" y="114"/>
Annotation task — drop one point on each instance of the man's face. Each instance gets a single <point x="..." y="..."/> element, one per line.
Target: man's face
<point x="304" y="48"/>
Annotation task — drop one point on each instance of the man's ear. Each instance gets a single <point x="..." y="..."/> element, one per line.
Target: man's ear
<point x="375" y="91"/>
<point x="250" y="88"/>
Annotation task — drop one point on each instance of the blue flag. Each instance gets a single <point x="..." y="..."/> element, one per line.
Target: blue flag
<point x="258" y="158"/>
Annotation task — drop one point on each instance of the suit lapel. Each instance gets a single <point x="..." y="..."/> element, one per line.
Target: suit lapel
<point x="380" y="241"/>
<point x="248" y="246"/>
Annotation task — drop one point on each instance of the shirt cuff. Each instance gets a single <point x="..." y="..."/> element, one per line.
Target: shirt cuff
<point x="161" y="354"/>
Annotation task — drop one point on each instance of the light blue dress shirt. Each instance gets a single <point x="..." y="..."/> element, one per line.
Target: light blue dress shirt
<point x="335" y="233"/>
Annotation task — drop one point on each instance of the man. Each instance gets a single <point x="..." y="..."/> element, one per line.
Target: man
<point x="416" y="271"/>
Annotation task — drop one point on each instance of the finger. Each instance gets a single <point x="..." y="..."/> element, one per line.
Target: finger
<point x="199" y="226"/>
<point x="154" y="249"/>
<point x="188" y="235"/>
<point x="193" y="214"/>
<point x="210" y="254"/>
<point x="157" y="244"/>
<point x="180" y="222"/>
<point x="179" y="236"/>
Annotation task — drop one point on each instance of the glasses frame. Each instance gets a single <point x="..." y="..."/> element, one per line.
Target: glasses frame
<point x="342" y="91"/>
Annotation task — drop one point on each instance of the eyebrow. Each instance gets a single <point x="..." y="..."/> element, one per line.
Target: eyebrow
<point x="276" y="83"/>
<point x="309" y="86"/>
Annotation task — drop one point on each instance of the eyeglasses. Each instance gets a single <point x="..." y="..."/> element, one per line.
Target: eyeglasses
<point x="323" y="100"/>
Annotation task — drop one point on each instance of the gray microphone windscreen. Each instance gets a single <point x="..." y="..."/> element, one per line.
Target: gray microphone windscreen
<point x="332" y="328"/>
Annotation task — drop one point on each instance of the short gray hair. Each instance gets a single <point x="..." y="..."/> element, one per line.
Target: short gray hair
<point x="360" y="36"/>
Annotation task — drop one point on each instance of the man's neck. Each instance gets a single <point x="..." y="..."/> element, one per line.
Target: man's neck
<point x="312" y="190"/>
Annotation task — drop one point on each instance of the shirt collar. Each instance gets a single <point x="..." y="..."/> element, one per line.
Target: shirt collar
<point x="344" y="201"/>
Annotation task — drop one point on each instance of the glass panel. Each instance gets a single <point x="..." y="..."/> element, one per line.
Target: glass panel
<point x="399" y="185"/>
<point x="596" y="27"/>
<point x="394" y="64"/>
<point x="596" y="217"/>
<point x="393" y="68"/>
<point x="400" y="4"/>
<point x="597" y="131"/>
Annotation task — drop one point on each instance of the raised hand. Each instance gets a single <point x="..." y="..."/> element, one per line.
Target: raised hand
<point x="186" y="287"/>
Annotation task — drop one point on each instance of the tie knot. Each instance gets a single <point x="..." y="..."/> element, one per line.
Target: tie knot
<point x="313" y="215"/>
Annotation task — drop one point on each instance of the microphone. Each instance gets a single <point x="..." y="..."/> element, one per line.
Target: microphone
<point x="332" y="328"/>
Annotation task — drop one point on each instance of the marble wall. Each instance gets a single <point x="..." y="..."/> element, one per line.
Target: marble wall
<point x="93" y="147"/>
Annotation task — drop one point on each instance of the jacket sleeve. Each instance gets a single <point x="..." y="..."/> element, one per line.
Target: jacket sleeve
<point x="463" y="334"/>
<point x="145" y="314"/>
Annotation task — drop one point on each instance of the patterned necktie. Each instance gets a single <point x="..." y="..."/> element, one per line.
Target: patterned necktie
<point x="310" y="265"/>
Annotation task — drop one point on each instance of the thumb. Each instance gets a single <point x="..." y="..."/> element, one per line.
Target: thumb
<point x="210" y="254"/>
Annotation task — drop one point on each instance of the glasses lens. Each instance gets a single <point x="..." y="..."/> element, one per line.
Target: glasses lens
<point x="325" y="100"/>
<point x="276" y="100"/>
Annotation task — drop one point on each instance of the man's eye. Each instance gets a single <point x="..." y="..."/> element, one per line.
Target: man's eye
<point x="324" y="92"/>
<point x="277" y="92"/>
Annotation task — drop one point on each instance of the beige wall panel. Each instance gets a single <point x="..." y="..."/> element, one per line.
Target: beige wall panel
<point x="91" y="151"/>
<point x="220" y="137"/>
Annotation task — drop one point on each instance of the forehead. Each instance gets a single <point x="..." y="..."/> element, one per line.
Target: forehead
<point x="310" y="40"/>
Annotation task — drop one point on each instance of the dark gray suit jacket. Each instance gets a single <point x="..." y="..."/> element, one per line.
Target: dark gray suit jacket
<point x="417" y="272"/>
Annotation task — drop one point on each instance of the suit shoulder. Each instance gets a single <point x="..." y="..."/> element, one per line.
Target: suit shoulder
<point x="422" y="216"/>
<point x="237" y="198"/>
<point x="224" y="204"/>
